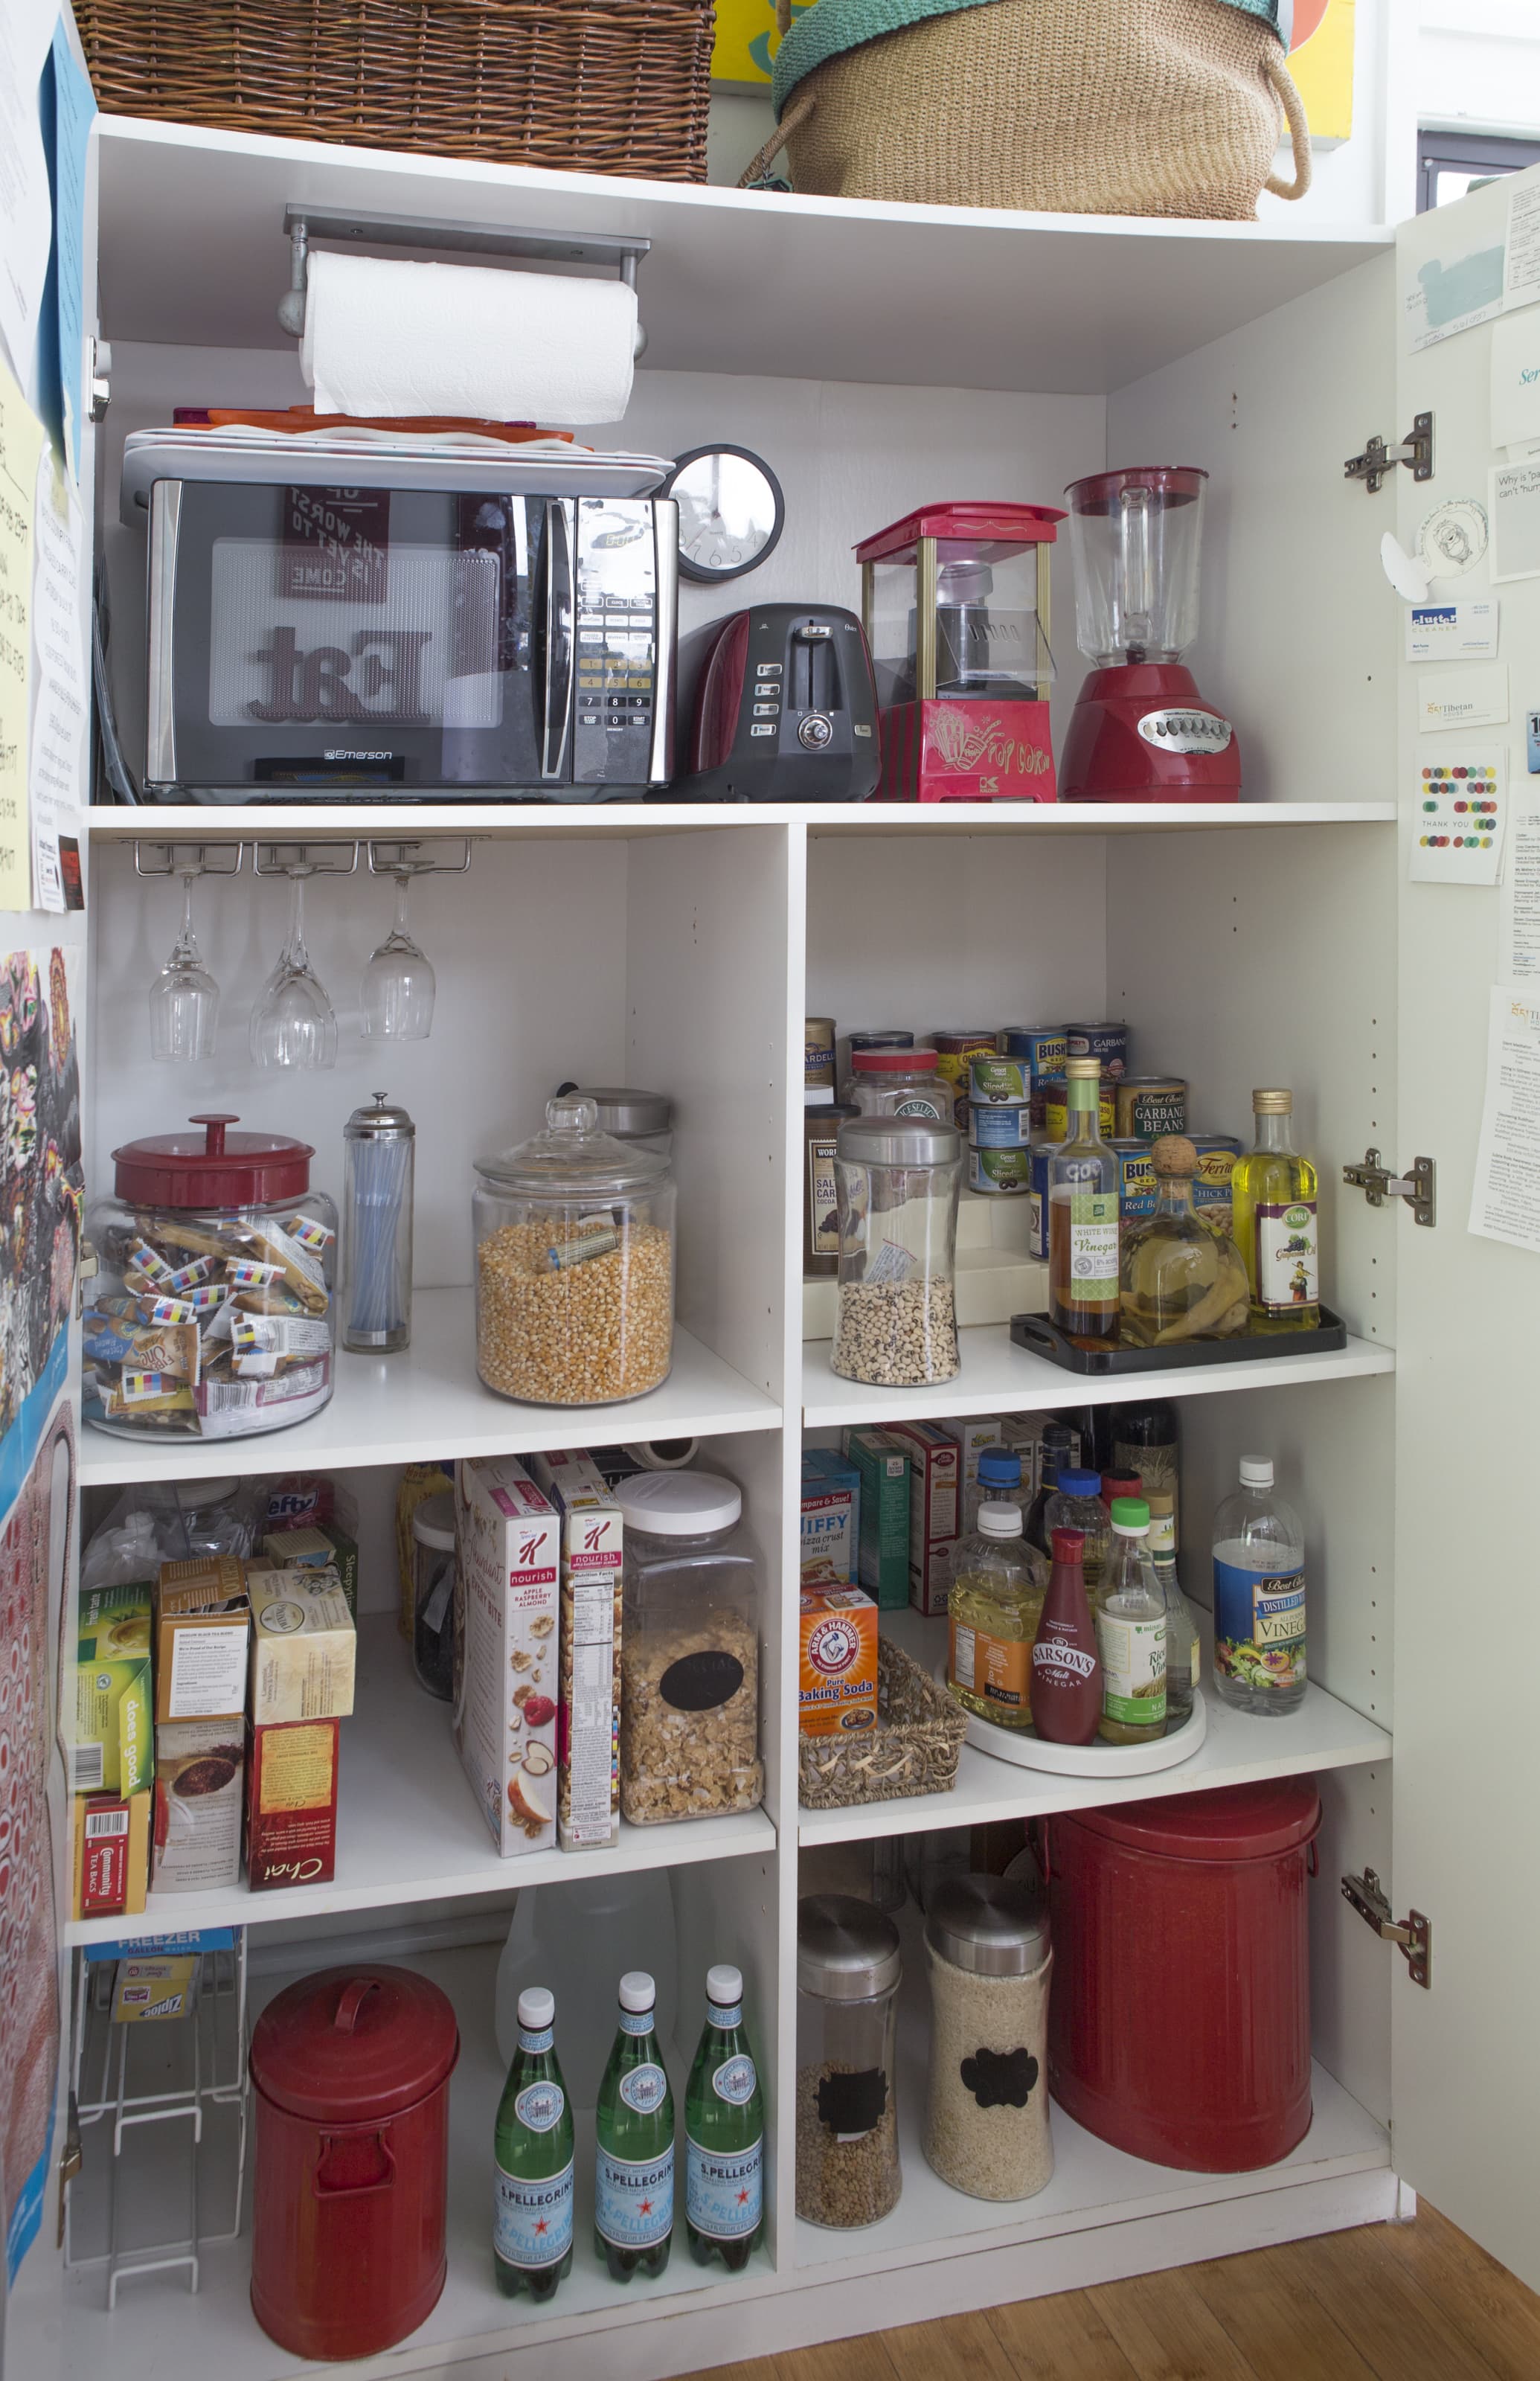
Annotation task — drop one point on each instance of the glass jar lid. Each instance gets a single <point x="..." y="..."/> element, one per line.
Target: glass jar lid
<point x="847" y="1950"/>
<point x="627" y="1113"/>
<point x="898" y="1141"/>
<point x="679" y="1504"/>
<point x="989" y="1925"/>
<point x="433" y="1522"/>
<point x="572" y="1159"/>
<point x="214" y="1168"/>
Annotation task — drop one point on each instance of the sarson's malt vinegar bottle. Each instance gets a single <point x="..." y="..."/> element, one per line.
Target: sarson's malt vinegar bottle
<point x="1084" y="1181"/>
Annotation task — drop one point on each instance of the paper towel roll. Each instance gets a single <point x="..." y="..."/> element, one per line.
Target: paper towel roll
<point x="383" y="337"/>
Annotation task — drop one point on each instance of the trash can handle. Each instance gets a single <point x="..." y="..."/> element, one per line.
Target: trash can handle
<point x="1037" y="1836"/>
<point x="385" y="2181"/>
<point x="351" y="1999"/>
<point x="1311" y="1859"/>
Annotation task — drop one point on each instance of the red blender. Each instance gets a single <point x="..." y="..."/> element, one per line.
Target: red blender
<point x="1140" y="732"/>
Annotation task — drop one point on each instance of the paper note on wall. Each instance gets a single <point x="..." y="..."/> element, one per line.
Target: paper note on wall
<point x="26" y="208"/>
<point x="1452" y="292"/>
<point x="1458" y="817"/>
<point x="60" y="722"/>
<point x="1521" y="279"/>
<point x="1516" y="381"/>
<point x="1515" y="513"/>
<point x="20" y="445"/>
<point x="1518" y="957"/>
<point x="1504" y="1196"/>
<point x="1462" y="698"/>
<point x="74" y="106"/>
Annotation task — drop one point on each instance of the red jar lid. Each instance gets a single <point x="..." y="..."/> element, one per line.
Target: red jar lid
<point x="999" y="524"/>
<point x="212" y="1170"/>
<point x="1233" y="1823"/>
<point x="892" y="1062"/>
<point x="1178" y="482"/>
<point x="350" y="2044"/>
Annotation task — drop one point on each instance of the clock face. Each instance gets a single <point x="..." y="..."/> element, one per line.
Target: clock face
<point x="730" y="511"/>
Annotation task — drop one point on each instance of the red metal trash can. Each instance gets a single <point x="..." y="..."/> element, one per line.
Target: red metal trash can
<point x="351" y="2071"/>
<point x="1178" y="2027"/>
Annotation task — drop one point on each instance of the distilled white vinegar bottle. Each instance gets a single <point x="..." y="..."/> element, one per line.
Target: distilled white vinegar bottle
<point x="1259" y="1596"/>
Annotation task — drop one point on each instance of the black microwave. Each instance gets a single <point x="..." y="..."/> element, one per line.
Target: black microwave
<point x="310" y="642"/>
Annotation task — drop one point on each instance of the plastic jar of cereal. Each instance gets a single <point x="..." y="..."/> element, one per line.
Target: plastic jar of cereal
<point x="574" y="1264"/>
<point x="848" y="1971"/>
<point x="986" y="2115"/>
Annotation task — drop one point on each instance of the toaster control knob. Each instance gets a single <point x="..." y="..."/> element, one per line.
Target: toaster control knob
<point x="815" y="731"/>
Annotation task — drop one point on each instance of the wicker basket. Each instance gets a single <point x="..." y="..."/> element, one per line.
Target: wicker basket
<point x="913" y="1750"/>
<point x="600" y="86"/>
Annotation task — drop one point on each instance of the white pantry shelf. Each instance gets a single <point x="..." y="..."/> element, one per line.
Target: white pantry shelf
<point x="427" y="1401"/>
<point x="193" y="254"/>
<point x="1238" y="1749"/>
<point x="998" y="1377"/>
<point x="409" y="1829"/>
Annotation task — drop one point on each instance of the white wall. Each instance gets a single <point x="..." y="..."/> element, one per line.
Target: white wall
<point x="1478" y="66"/>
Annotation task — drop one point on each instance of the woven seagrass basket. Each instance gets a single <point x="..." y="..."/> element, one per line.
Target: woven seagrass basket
<point x="913" y="1749"/>
<point x="597" y="86"/>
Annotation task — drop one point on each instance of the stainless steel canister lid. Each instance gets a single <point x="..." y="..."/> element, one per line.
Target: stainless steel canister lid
<point x="628" y="1113"/>
<point x="847" y="1950"/>
<point x="897" y="1141"/>
<point x="382" y="1122"/>
<point x="987" y="1925"/>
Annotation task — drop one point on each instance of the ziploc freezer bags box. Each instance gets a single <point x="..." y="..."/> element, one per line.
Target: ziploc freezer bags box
<point x="831" y="1519"/>
<point x="507" y="1538"/>
<point x="113" y="1750"/>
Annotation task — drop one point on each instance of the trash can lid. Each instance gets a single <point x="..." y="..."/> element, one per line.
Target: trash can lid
<point x="349" y="2044"/>
<point x="1232" y="1823"/>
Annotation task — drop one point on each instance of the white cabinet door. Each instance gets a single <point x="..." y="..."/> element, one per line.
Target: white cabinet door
<point x="1466" y="2053"/>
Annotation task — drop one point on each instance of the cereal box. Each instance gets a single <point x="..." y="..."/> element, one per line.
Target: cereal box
<point x="291" y="1804"/>
<point x="839" y="1661"/>
<point x="507" y="1549"/>
<point x="303" y="1646"/>
<point x="883" y="1549"/>
<point x="831" y="1519"/>
<point x="112" y="1751"/>
<point x="111" y="1854"/>
<point x="588" y="1720"/>
<point x="935" y="1499"/>
<point x="202" y="1631"/>
<point x="199" y="1781"/>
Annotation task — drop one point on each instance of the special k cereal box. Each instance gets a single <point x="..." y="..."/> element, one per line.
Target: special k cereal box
<point x="507" y="1550"/>
<point x="588" y="1720"/>
<point x="839" y="1661"/>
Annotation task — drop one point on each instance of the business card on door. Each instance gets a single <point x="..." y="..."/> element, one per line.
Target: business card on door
<point x="1458" y="814"/>
<point x="1467" y="698"/>
<point x="1452" y="632"/>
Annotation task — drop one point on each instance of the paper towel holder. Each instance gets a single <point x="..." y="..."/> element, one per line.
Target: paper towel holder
<point x="620" y="250"/>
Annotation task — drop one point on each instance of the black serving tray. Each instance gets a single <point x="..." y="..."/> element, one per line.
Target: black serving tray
<point x="1041" y="1338"/>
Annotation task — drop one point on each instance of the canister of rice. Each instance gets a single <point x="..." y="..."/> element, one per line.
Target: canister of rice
<point x="986" y="2119"/>
<point x="379" y="1144"/>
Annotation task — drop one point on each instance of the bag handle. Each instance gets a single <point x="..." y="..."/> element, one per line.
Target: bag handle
<point x="1288" y="97"/>
<point x="797" y="113"/>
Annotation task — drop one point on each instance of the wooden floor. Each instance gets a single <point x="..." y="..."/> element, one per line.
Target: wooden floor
<point x="1387" y="2303"/>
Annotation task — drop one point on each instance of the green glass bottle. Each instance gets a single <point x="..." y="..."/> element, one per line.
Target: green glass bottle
<point x="532" y="2230"/>
<point x="633" y="2211"/>
<point x="723" y="2127"/>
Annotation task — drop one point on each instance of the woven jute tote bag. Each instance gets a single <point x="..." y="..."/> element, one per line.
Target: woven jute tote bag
<point x="1124" y="107"/>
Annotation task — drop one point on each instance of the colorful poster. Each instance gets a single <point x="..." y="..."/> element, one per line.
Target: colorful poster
<point x="21" y="446"/>
<point x="1321" y="61"/>
<point x="42" y="1196"/>
<point x="747" y="41"/>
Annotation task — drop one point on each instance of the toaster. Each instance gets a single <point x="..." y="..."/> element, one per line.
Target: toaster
<point x="786" y="709"/>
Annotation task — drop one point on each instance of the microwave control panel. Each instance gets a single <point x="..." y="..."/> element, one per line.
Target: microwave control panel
<point x="616" y="641"/>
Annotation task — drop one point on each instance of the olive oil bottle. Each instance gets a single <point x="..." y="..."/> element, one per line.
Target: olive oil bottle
<point x="1084" y="1178"/>
<point x="1273" y="1191"/>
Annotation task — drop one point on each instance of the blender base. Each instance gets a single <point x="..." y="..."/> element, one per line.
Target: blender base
<point x="1108" y="758"/>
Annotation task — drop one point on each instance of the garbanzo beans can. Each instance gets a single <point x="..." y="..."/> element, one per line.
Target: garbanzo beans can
<point x="1147" y="1105"/>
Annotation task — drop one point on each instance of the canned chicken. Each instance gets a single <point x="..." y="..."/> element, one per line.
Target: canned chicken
<point x="1107" y="1041"/>
<point x="1147" y="1105"/>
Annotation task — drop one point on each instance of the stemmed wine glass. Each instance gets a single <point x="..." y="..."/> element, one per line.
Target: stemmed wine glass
<point x="293" y="1023"/>
<point x="398" y="992"/>
<point x="184" y="998"/>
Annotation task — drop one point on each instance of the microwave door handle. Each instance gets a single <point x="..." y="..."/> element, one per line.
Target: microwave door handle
<point x="558" y="641"/>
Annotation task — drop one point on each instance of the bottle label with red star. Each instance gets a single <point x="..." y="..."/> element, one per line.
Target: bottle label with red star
<point x="634" y="2199"/>
<point x="533" y="2220"/>
<point x="725" y="2190"/>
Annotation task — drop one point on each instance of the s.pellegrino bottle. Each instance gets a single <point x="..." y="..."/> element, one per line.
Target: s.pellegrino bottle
<point x="633" y="2208"/>
<point x="532" y="2234"/>
<point x="723" y="2127"/>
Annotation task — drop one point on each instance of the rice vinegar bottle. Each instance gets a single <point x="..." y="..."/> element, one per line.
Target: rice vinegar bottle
<point x="1083" y="1179"/>
<point x="1273" y="1195"/>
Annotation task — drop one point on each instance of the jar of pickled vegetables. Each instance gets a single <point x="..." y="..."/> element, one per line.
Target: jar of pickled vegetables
<point x="999" y="1583"/>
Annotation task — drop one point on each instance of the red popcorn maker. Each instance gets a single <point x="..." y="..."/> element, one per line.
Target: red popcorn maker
<point x="955" y="605"/>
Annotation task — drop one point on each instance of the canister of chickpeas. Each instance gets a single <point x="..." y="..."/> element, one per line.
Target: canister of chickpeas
<point x="574" y="1264"/>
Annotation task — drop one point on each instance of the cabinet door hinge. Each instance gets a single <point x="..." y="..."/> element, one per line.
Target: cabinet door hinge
<point x="1377" y="1183"/>
<point x="1412" y="1935"/>
<point x="1374" y="466"/>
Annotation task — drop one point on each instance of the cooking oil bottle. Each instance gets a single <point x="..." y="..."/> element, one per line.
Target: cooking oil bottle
<point x="1273" y="1190"/>
<point x="999" y="1583"/>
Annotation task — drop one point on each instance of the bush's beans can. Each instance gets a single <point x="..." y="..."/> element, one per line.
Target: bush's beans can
<point x="956" y="1047"/>
<point x="1147" y="1105"/>
<point x="1107" y="1041"/>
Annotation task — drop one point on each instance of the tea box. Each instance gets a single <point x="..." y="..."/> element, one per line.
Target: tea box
<point x="831" y="1519"/>
<point x="935" y="1509"/>
<point x="202" y="1631"/>
<point x="882" y="1554"/>
<point x="303" y="1646"/>
<point x="323" y="1547"/>
<point x="113" y="1750"/>
<point x="839" y="1662"/>
<point x="111" y="1854"/>
<point x="588" y="1735"/>
<point x="506" y="1604"/>
<point x="200" y="1782"/>
<point x="291" y="1804"/>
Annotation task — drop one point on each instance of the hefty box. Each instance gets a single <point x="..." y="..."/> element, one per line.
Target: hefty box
<point x="507" y="1555"/>
<point x="323" y="1547"/>
<point x="200" y="1780"/>
<point x="588" y="1719"/>
<point x="202" y="1631"/>
<point x="831" y="1519"/>
<point x="839" y="1662"/>
<point x="291" y="1804"/>
<point x="883" y="1549"/>
<point x="303" y="1646"/>
<point x="111" y="1854"/>
<point x="113" y="1750"/>
<point x="934" y="1498"/>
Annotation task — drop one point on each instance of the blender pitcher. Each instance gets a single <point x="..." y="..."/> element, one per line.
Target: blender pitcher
<point x="1140" y="732"/>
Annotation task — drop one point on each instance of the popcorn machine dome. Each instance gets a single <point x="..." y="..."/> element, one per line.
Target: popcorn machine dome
<point x="955" y="604"/>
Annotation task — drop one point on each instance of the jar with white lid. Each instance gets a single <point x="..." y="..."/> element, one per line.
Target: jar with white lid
<point x="688" y="1651"/>
<point x="898" y="1180"/>
<point x="212" y="1314"/>
<point x="849" y="1967"/>
<point x="432" y="1594"/>
<point x="986" y="2115"/>
<point x="574" y="1264"/>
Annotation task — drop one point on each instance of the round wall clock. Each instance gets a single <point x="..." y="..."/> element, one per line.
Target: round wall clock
<point x="731" y="511"/>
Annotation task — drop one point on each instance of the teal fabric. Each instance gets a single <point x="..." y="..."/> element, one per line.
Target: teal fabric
<point x="830" y="27"/>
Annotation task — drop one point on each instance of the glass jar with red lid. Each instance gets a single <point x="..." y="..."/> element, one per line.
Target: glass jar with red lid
<point x="900" y="1083"/>
<point x="212" y="1315"/>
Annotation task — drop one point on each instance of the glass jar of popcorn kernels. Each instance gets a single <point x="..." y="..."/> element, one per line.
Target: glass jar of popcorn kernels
<point x="574" y="1264"/>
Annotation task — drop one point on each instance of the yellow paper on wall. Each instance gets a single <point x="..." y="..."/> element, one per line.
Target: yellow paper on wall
<point x="1321" y="65"/>
<point x="747" y="41"/>
<point x="22" y="436"/>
